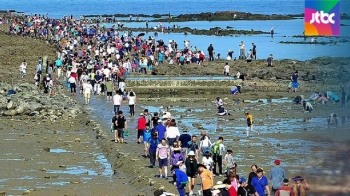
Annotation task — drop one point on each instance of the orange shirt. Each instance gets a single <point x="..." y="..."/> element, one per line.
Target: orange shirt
<point x="206" y="177"/>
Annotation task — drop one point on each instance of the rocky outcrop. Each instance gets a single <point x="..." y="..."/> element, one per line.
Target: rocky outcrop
<point x="30" y="101"/>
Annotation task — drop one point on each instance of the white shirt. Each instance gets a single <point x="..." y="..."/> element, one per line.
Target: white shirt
<point x="208" y="162"/>
<point x="227" y="68"/>
<point x="173" y="132"/>
<point x="242" y="46"/>
<point x="23" y="68"/>
<point x="132" y="100"/>
<point x="87" y="88"/>
<point x="121" y="86"/>
<point x="71" y="80"/>
<point x="117" y="99"/>
<point x="206" y="142"/>
<point x="238" y="74"/>
<point x="107" y="72"/>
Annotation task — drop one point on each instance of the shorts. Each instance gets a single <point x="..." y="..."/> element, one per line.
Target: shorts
<point x="87" y="95"/>
<point x="109" y="93"/>
<point x="171" y="141"/>
<point x="226" y="73"/>
<point x="295" y="85"/>
<point x="120" y="132"/>
<point x="191" y="175"/>
<point x="59" y="70"/>
<point x="139" y="133"/>
<point x="146" y="145"/>
<point x="163" y="162"/>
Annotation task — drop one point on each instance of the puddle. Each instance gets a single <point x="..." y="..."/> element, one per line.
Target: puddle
<point x="57" y="150"/>
<point x="107" y="168"/>
<point x="74" y="170"/>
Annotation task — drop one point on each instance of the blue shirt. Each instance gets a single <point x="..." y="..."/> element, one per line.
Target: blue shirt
<point x="260" y="184"/>
<point x="184" y="138"/>
<point x="147" y="134"/>
<point x="161" y="129"/>
<point x="295" y="78"/>
<point x="153" y="143"/>
<point x="181" y="177"/>
<point x="277" y="174"/>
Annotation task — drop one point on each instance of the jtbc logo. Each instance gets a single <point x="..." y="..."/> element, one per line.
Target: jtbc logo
<point x="322" y="18"/>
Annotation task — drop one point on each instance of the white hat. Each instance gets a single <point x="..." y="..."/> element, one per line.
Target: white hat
<point x="159" y="121"/>
<point x="214" y="192"/>
<point x="141" y="114"/>
<point x="191" y="153"/>
<point x="179" y="162"/>
<point x="219" y="185"/>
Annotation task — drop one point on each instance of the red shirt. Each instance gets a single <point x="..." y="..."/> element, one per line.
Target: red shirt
<point x="232" y="191"/>
<point x="141" y="123"/>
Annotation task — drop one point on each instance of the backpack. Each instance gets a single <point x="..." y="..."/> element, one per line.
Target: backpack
<point x="216" y="148"/>
<point x="176" y="157"/>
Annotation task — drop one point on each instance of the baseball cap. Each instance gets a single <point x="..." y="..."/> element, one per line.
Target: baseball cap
<point x="277" y="161"/>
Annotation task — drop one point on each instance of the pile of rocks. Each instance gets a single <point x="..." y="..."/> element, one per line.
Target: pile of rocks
<point x="29" y="100"/>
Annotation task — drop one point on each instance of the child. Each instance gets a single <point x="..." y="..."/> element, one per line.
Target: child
<point x="228" y="160"/>
<point x="207" y="160"/>
<point x="147" y="134"/>
<point x="181" y="165"/>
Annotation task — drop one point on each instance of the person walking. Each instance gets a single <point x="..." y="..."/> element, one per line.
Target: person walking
<point x="117" y="102"/>
<point x="242" y="50"/>
<point x="109" y="89"/>
<point x="218" y="149"/>
<point x="277" y="175"/>
<point x="211" y="52"/>
<point x="254" y="51"/>
<point x="261" y="183"/>
<point x="141" y="126"/>
<point x="207" y="180"/>
<point x="250" y="126"/>
<point x="162" y="156"/>
<point x="152" y="150"/>
<point x="191" y="170"/>
<point x="132" y="101"/>
<point x="120" y="125"/>
<point x="87" y="90"/>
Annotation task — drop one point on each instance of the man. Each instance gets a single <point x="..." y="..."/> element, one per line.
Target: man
<point x="148" y="117"/>
<point x="181" y="181"/>
<point x="206" y="178"/>
<point x="184" y="139"/>
<point x="250" y="126"/>
<point x="162" y="156"/>
<point x="109" y="89"/>
<point x="270" y="61"/>
<point x="246" y="189"/>
<point x="141" y="126"/>
<point x="211" y="52"/>
<point x="254" y="51"/>
<point x="272" y="32"/>
<point x="193" y="146"/>
<point x="58" y="64"/>
<point x="152" y="150"/>
<point x="277" y="175"/>
<point x="241" y="50"/>
<point x="120" y="125"/>
<point x="294" y="79"/>
<point x="260" y="183"/>
<point x="161" y="130"/>
<point x="218" y="149"/>
<point x="285" y="190"/>
<point x="252" y="174"/>
<point x="117" y="102"/>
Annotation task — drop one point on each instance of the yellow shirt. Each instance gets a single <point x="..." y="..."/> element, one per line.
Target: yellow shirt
<point x="207" y="179"/>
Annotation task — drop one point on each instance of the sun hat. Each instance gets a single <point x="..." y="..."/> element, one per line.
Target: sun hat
<point x="191" y="153"/>
<point x="296" y="178"/>
<point x="141" y="114"/>
<point x="214" y="192"/>
<point x="277" y="162"/>
<point x="219" y="185"/>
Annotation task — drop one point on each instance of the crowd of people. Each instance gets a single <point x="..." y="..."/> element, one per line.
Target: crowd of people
<point x="184" y="159"/>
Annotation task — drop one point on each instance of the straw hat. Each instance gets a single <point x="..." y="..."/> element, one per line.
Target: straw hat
<point x="219" y="185"/>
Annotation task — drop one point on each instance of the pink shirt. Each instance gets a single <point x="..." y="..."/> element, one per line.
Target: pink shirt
<point x="162" y="151"/>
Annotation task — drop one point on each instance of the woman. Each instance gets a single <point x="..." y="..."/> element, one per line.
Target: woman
<point x="73" y="83"/>
<point x="300" y="186"/>
<point x="205" y="143"/>
<point x="172" y="132"/>
<point x="191" y="170"/>
<point x="175" y="157"/>
<point x="132" y="101"/>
